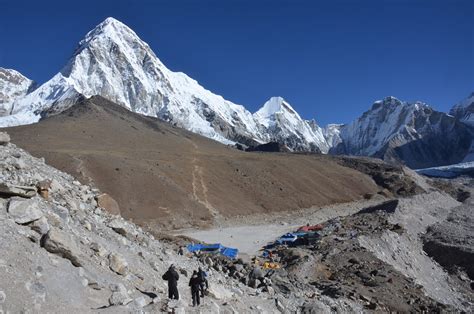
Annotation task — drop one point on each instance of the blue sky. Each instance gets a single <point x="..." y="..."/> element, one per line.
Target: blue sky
<point x="329" y="59"/>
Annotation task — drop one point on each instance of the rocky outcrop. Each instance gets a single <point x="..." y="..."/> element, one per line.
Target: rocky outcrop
<point x="8" y="190"/>
<point x="4" y="138"/>
<point x="61" y="243"/>
<point x="106" y="202"/>
<point x="24" y="211"/>
<point x="268" y="147"/>
<point x="451" y="242"/>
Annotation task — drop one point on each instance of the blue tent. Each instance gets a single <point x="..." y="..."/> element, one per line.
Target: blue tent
<point x="216" y="248"/>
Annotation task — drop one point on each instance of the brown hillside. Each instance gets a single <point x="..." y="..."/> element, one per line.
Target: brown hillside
<point x="168" y="177"/>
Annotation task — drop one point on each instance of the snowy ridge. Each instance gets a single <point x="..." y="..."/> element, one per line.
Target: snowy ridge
<point x="112" y="61"/>
<point x="464" y="111"/>
<point x="332" y="134"/>
<point x="13" y="85"/>
<point x="387" y="120"/>
<point x="281" y="123"/>
<point x="413" y="133"/>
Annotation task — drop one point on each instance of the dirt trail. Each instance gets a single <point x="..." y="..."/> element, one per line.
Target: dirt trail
<point x="198" y="181"/>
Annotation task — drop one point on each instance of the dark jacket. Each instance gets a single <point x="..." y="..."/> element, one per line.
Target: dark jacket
<point x="195" y="283"/>
<point x="171" y="276"/>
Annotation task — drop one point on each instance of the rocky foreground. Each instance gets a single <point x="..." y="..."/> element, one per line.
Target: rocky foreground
<point x="62" y="251"/>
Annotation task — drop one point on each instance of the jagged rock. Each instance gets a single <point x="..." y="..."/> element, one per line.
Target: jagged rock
<point x="119" y="295"/>
<point x="106" y="202"/>
<point x="62" y="212"/>
<point x="24" y="211"/>
<point x="99" y="249"/>
<point x="7" y="190"/>
<point x="4" y="138"/>
<point x="43" y="188"/>
<point x="19" y="164"/>
<point x="41" y="226"/>
<point x="61" y="243"/>
<point x="121" y="227"/>
<point x="118" y="264"/>
<point x="3" y="297"/>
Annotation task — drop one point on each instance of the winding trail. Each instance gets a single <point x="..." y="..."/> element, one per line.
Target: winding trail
<point x="200" y="188"/>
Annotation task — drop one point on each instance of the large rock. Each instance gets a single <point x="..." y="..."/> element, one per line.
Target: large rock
<point x="106" y="202"/>
<point x="118" y="264"/>
<point x="41" y="226"/>
<point x="24" y="211"/>
<point x="119" y="295"/>
<point x="4" y="138"/>
<point x="219" y="292"/>
<point x="123" y="228"/>
<point x="61" y="243"/>
<point x="7" y="190"/>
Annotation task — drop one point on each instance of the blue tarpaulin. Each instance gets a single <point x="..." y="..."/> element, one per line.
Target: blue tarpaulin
<point x="219" y="248"/>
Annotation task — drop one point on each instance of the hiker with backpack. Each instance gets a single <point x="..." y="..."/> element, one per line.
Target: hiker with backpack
<point x="204" y="284"/>
<point x="195" y="284"/>
<point x="172" y="277"/>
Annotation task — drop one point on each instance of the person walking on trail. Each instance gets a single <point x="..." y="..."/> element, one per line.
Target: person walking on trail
<point x="195" y="284"/>
<point x="204" y="285"/>
<point x="172" y="277"/>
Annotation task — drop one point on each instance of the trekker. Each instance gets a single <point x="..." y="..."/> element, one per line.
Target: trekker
<point x="172" y="277"/>
<point x="195" y="284"/>
<point x="204" y="285"/>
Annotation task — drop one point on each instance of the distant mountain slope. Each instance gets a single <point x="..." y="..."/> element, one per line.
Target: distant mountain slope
<point x="412" y="133"/>
<point x="169" y="177"/>
<point x="113" y="62"/>
<point x="464" y="111"/>
<point x="13" y="85"/>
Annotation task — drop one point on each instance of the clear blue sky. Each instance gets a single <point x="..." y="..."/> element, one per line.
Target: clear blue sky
<point x="329" y="59"/>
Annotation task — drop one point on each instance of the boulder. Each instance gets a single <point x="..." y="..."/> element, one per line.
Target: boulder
<point x="106" y="202"/>
<point x="7" y="190"/>
<point x="119" y="295"/>
<point x="24" y="211"/>
<point x="4" y="138"/>
<point x="41" y="226"/>
<point x="219" y="292"/>
<point x="118" y="264"/>
<point x="98" y="249"/>
<point x="121" y="227"/>
<point x="61" y="243"/>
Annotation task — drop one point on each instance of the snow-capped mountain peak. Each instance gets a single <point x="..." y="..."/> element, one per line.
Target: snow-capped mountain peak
<point x="113" y="62"/>
<point x="281" y="123"/>
<point x="13" y="85"/>
<point x="412" y="132"/>
<point x="464" y="110"/>
<point x="275" y="105"/>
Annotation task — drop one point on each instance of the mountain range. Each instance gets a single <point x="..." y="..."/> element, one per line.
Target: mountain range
<point x="113" y="62"/>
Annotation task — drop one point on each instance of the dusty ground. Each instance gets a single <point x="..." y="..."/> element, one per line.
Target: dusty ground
<point x="166" y="177"/>
<point x="250" y="234"/>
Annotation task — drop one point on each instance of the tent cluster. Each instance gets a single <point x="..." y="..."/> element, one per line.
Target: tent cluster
<point x="216" y="248"/>
<point x="305" y="235"/>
